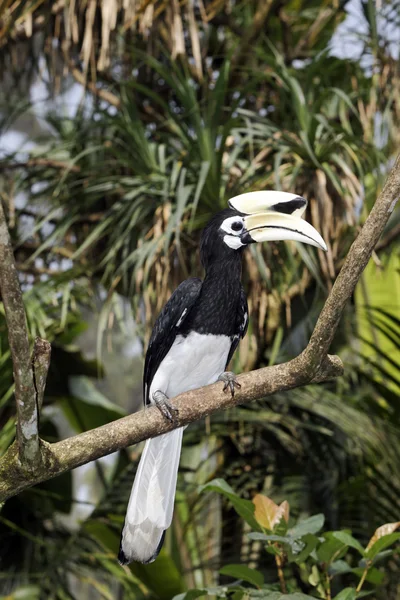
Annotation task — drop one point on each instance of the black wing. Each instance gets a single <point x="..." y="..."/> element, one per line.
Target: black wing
<point x="242" y="322"/>
<point x="166" y="328"/>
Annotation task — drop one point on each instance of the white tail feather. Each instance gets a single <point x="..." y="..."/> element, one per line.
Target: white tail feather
<point x="151" y="503"/>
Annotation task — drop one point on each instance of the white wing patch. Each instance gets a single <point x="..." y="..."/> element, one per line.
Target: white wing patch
<point x="181" y="317"/>
<point x="245" y="321"/>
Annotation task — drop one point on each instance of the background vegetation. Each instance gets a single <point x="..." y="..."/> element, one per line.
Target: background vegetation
<point x="125" y="126"/>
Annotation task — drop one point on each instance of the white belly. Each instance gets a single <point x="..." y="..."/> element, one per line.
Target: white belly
<point x="192" y="362"/>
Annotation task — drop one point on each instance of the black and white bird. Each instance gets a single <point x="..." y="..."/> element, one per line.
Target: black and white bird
<point x="192" y="343"/>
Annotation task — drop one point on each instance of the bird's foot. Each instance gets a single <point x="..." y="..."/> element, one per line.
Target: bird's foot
<point x="165" y="407"/>
<point x="230" y="381"/>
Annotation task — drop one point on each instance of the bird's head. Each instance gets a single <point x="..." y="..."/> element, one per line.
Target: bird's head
<point x="257" y="217"/>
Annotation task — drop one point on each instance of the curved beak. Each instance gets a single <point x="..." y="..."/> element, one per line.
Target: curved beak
<point x="273" y="216"/>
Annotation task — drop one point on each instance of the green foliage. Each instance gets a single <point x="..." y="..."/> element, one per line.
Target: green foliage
<point x="320" y="561"/>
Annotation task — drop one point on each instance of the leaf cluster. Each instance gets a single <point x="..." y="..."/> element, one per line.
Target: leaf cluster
<point x="305" y="557"/>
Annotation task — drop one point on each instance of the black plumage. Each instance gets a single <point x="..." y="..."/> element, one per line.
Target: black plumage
<point x="216" y="306"/>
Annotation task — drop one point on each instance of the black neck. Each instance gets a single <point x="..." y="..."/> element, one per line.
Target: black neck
<point x="229" y="267"/>
<point x="217" y="307"/>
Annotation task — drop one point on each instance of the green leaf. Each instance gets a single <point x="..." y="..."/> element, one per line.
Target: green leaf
<point x="382" y="555"/>
<point x="330" y="549"/>
<point x="296" y="547"/>
<point x="191" y="595"/>
<point x="243" y="572"/>
<point x="266" y="595"/>
<point x="310" y="542"/>
<point x="265" y="537"/>
<point x="339" y="567"/>
<point x="83" y="388"/>
<point x="244" y="508"/>
<point x="373" y="576"/>
<point x="88" y="408"/>
<point x="296" y="596"/>
<point x="346" y="594"/>
<point x="348" y="539"/>
<point x="25" y="592"/>
<point x="315" y="576"/>
<point x="382" y="543"/>
<point x="310" y="525"/>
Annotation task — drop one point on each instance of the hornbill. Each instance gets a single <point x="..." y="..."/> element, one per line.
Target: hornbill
<point x="192" y="343"/>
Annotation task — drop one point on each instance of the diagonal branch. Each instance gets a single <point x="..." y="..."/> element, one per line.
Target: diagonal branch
<point x="355" y="263"/>
<point x="194" y="405"/>
<point x="313" y="365"/>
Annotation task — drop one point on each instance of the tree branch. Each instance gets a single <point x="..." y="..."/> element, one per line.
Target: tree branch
<point x="25" y="394"/>
<point x="357" y="259"/>
<point x="313" y="365"/>
<point x="194" y="405"/>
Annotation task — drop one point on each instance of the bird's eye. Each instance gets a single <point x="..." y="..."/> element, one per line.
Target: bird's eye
<point x="237" y="226"/>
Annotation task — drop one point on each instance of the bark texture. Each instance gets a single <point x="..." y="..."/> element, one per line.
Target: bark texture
<point x="25" y="393"/>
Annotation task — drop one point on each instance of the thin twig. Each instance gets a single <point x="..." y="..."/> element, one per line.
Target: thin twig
<point x="363" y="577"/>
<point x="281" y="575"/>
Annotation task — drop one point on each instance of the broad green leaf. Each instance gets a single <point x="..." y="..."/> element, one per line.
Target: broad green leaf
<point x="379" y="288"/>
<point x="267" y="595"/>
<point x="315" y="576"/>
<point x="331" y="549"/>
<point x="296" y="545"/>
<point x="243" y="572"/>
<point x="346" y="594"/>
<point x="381" y="544"/>
<point x="339" y="567"/>
<point x="348" y="540"/>
<point x="244" y="508"/>
<point x="382" y="555"/>
<point x="191" y="595"/>
<point x="83" y="416"/>
<point x="25" y="592"/>
<point x="82" y="387"/>
<point x="274" y="550"/>
<point x="296" y="596"/>
<point x="310" y="525"/>
<point x="309" y="542"/>
<point x="88" y="408"/>
<point x="374" y="575"/>
<point x="265" y="537"/>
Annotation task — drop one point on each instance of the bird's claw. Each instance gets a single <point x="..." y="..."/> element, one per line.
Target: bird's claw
<point x="165" y="407"/>
<point x="230" y="381"/>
